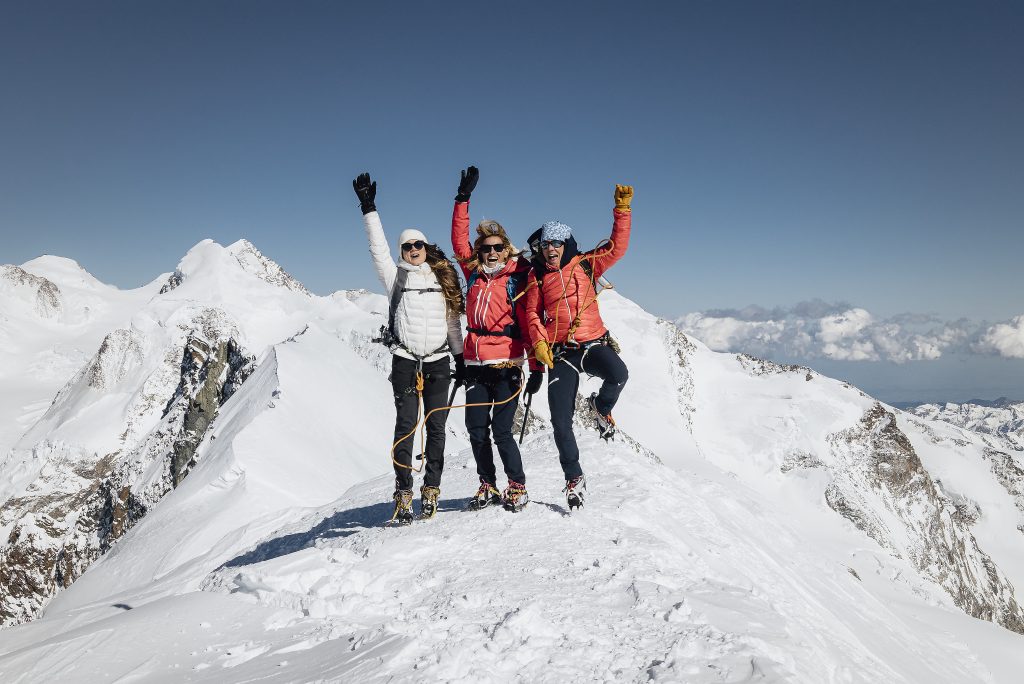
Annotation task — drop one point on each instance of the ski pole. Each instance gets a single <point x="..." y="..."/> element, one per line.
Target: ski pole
<point x="526" y="415"/>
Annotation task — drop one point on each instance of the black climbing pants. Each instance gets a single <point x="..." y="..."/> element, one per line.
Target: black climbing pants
<point x="485" y="385"/>
<point x="598" y="360"/>
<point x="437" y="379"/>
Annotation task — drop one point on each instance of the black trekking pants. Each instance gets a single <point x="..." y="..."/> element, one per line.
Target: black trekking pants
<point x="598" y="360"/>
<point x="486" y="385"/>
<point x="437" y="379"/>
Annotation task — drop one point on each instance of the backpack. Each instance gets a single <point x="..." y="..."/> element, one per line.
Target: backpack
<point x="512" y="290"/>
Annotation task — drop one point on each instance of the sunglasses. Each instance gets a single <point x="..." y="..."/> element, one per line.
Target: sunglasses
<point x="551" y="243"/>
<point x="487" y="249"/>
<point x="409" y="246"/>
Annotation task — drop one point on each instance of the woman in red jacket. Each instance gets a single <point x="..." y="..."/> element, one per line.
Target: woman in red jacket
<point x="495" y="347"/>
<point x="569" y="336"/>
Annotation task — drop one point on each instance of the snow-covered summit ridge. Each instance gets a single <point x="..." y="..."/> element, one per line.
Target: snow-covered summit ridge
<point x="67" y="272"/>
<point x="209" y="259"/>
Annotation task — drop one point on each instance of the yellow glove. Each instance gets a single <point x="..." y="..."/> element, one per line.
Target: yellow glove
<point x="542" y="352"/>
<point x="623" y="196"/>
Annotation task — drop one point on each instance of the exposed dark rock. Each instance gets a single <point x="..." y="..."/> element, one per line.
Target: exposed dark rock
<point x="757" y="366"/>
<point x="173" y="281"/>
<point x="800" y="460"/>
<point x="1009" y="473"/>
<point x="879" y="478"/>
<point x="56" y="535"/>
<point x="43" y="294"/>
<point x="680" y="350"/>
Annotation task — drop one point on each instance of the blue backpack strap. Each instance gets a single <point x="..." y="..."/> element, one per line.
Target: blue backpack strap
<point x="512" y="286"/>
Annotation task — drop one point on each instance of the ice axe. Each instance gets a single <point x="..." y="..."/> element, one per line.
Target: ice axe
<point x="526" y="415"/>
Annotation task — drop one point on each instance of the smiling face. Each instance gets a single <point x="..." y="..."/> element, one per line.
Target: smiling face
<point x="551" y="251"/>
<point x="414" y="251"/>
<point x="493" y="252"/>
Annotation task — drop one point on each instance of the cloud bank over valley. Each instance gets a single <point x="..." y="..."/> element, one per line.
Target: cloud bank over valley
<point x="842" y="332"/>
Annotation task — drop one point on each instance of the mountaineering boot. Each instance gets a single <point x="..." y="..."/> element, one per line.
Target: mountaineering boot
<point x="574" y="490"/>
<point x="428" y="501"/>
<point x="605" y="423"/>
<point x="515" y="497"/>
<point x="486" y="495"/>
<point x="403" y="507"/>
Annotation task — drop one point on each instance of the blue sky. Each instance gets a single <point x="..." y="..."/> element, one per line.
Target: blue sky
<point x="869" y="153"/>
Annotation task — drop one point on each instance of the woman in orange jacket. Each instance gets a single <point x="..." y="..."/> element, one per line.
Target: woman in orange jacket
<point x="569" y="336"/>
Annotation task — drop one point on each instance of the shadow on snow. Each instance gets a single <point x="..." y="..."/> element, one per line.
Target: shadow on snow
<point x="341" y="524"/>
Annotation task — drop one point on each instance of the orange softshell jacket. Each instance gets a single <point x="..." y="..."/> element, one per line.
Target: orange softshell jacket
<point x="552" y="308"/>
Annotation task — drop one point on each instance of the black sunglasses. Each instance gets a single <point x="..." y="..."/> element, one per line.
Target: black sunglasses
<point x="409" y="246"/>
<point x="551" y="243"/>
<point x="487" y="249"/>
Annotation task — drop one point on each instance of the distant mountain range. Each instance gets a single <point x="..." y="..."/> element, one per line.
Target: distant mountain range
<point x="1001" y="420"/>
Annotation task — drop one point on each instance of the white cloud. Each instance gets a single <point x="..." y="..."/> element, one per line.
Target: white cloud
<point x="838" y="331"/>
<point x="1005" y="339"/>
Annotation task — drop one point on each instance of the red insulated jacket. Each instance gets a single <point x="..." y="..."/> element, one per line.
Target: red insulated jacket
<point x="564" y="293"/>
<point x="487" y="302"/>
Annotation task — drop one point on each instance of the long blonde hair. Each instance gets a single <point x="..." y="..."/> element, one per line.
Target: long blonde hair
<point x="448" y="279"/>
<point x="488" y="228"/>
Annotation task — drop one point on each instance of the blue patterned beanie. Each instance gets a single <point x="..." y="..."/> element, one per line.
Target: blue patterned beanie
<point x="555" y="230"/>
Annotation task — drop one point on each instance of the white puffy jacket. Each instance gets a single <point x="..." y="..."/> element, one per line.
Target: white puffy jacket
<point x="422" y="322"/>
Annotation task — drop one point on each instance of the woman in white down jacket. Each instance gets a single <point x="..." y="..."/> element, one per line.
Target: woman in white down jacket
<point x="425" y="327"/>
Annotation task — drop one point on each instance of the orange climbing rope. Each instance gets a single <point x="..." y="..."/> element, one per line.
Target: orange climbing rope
<point x="421" y="423"/>
<point x="593" y="287"/>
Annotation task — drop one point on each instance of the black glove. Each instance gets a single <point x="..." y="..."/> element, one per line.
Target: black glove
<point x="533" y="384"/>
<point x="366" y="192"/>
<point x="460" y="369"/>
<point x="468" y="183"/>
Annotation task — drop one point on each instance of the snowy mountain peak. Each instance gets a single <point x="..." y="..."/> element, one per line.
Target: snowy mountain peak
<point x="66" y="273"/>
<point x="209" y="260"/>
<point x="253" y="261"/>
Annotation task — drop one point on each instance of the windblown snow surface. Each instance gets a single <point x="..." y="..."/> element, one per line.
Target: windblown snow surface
<point x="752" y="522"/>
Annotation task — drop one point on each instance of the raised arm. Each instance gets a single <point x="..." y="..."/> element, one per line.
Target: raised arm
<point x="606" y="255"/>
<point x="461" y="245"/>
<point x="366" y="191"/>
